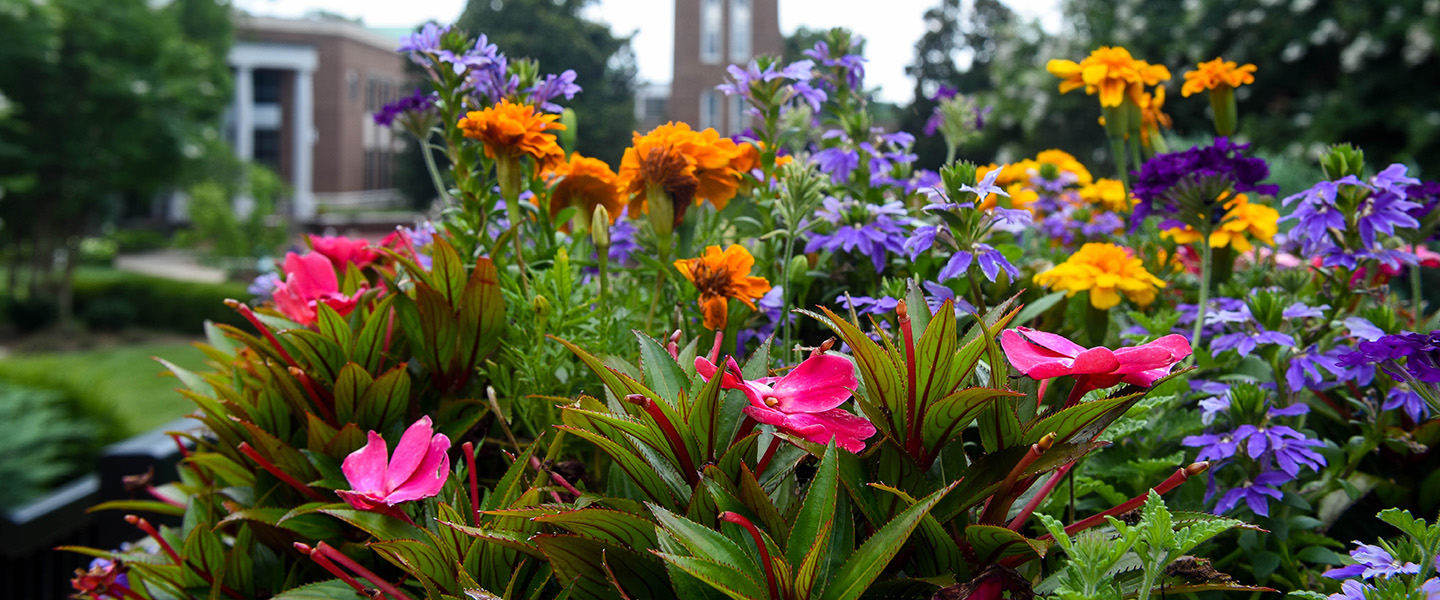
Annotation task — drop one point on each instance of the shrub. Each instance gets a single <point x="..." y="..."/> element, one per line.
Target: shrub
<point x="31" y="314"/>
<point x="169" y="305"/>
<point x="44" y="439"/>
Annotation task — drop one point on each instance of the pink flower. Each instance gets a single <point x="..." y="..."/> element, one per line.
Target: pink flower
<point x="1042" y="355"/>
<point x="311" y="279"/>
<point x="804" y="402"/>
<point x="417" y="469"/>
<point x="341" y="250"/>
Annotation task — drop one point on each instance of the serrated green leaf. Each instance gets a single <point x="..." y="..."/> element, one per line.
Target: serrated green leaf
<point x="861" y="569"/>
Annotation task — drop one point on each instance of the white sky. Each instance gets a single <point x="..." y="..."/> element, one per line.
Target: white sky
<point x="891" y="27"/>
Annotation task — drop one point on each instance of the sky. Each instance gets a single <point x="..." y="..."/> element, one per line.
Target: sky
<point x="891" y="31"/>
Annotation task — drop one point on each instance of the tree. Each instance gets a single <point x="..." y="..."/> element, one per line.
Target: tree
<point x="554" y="33"/>
<point x="110" y="100"/>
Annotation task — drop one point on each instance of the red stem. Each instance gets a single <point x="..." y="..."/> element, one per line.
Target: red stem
<point x="540" y="468"/>
<point x="315" y="395"/>
<point x="1174" y="480"/>
<point x="676" y="443"/>
<point x="468" y="449"/>
<point x="155" y="493"/>
<point x="999" y="504"/>
<point x="339" y="557"/>
<point x="715" y="347"/>
<point x="912" y="445"/>
<point x="150" y="530"/>
<point x="330" y="566"/>
<point x="279" y="474"/>
<point x="740" y="520"/>
<point x="249" y="315"/>
<point x="1040" y="496"/>
<point x="765" y="458"/>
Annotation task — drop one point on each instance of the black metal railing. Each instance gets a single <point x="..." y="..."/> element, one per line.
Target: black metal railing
<point x="30" y="568"/>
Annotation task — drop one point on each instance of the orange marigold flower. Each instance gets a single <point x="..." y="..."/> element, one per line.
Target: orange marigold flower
<point x="720" y="276"/>
<point x="1111" y="71"/>
<point x="511" y="130"/>
<point x="1216" y="73"/>
<point x="1065" y="162"/>
<point x="586" y="183"/>
<point x="688" y="164"/>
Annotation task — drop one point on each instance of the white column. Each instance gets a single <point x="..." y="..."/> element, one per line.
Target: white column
<point x="244" y="112"/>
<point x="303" y="137"/>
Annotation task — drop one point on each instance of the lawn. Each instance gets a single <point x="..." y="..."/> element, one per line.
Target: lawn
<point x="122" y="378"/>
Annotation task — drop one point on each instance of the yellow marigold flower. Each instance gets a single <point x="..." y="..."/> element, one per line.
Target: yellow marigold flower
<point x="585" y="183"/>
<point x="1066" y="163"/>
<point x="1106" y="271"/>
<point x="1217" y="73"/>
<point x="690" y="165"/>
<point x="1242" y="219"/>
<point x="1108" y="194"/>
<point x="1111" y="71"/>
<point x="720" y="276"/>
<point x="511" y="130"/>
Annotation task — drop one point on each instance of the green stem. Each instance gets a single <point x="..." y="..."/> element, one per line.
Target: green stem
<point x="1415" y="296"/>
<point x="1204" y="294"/>
<point x="659" y="290"/>
<point x="434" y="171"/>
<point x="785" y="293"/>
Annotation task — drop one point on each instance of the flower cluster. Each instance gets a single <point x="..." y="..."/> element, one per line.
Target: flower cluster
<point x="1166" y="176"/>
<point x="1106" y="271"/>
<point x="1271" y="453"/>
<point x="1348" y="220"/>
<point x="1110" y="71"/>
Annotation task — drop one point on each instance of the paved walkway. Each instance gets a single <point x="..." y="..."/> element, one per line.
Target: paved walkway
<point x="170" y="264"/>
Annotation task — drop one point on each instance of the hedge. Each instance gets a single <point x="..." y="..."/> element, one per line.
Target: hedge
<point x="118" y="301"/>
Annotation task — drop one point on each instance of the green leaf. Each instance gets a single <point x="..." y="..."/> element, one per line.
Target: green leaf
<point x="1084" y="421"/>
<point x="918" y="308"/>
<point x="625" y="529"/>
<point x="1034" y="309"/>
<point x="703" y="541"/>
<point x="817" y="510"/>
<point x="1262" y="564"/>
<point x="153" y="506"/>
<point x="191" y="380"/>
<point x="999" y="427"/>
<point x="730" y="581"/>
<point x="662" y="373"/>
<point x="948" y="417"/>
<point x="383" y="527"/>
<point x="713" y="418"/>
<point x="1404" y="521"/>
<point x="588" y="564"/>
<point x="1320" y="556"/>
<point x="992" y="543"/>
<point x="324" y="590"/>
<point x="883" y="379"/>
<point x="861" y="569"/>
<point x="641" y="472"/>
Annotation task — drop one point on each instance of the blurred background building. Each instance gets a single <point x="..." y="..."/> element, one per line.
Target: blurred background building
<point x="709" y="36"/>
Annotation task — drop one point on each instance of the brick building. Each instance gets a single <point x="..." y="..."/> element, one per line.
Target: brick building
<point x="709" y="36"/>
<point x="304" y="93"/>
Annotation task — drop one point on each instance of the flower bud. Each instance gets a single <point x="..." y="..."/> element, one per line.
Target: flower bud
<point x="542" y="307"/>
<point x="600" y="228"/>
<point x="1341" y="160"/>
<point x="799" y="269"/>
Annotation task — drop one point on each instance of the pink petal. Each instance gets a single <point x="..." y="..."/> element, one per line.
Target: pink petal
<point x="427" y="480"/>
<point x="766" y="415"/>
<point x="409" y="453"/>
<point x="310" y="275"/>
<point x="1095" y="361"/>
<point x="361" y="501"/>
<point x="849" y="431"/>
<point x="1032" y="359"/>
<point x="755" y="394"/>
<point x="819" y="384"/>
<point x="366" y="468"/>
<point x="1058" y="344"/>
<point x="292" y="306"/>
<point x="1147" y="378"/>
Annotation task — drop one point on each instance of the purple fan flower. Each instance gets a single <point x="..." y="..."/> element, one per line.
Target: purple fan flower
<point x="493" y="81"/>
<point x="883" y="305"/>
<point x="1244" y="342"/>
<point x="850" y="66"/>
<point x="263" y="287"/>
<point x="427" y="40"/>
<point x="1426" y="195"/>
<point x="1370" y="562"/>
<point x="771" y="307"/>
<point x="1352" y="589"/>
<point x="1300" y="310"/>
<point x="938" y="294"/>
<point x="1256" y="494"/>
<point x="1402" y="397"/>
<point x="921" y="240"/>
<point x="990" y="260"/>
<point x="873" y="230"/>
<point x="1305" y="370"/>
<point x="483" y="56"/>
<point x="413" y="105"/>
<point x="1213" y="446"/>
<point x="837" y="162"/>
<point x="623" y="241"/>
<point x="552" y="87"/>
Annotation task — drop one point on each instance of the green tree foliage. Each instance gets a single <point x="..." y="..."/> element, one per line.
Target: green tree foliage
<point x="554" y="33"/>
<point x="109" y="100"/>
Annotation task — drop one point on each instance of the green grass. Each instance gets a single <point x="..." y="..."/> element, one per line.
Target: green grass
<point x="121" y="381"/>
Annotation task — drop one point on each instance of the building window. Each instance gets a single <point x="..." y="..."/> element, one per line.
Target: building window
<point x="738" y="121"/>
<point x="267" y="148"/>
<point x="709" y="109"/>
<point x="711" y="31"/>
<point x="740" y="19"/>
<point x="267" y="86"/>
<point x="352" y="81"/>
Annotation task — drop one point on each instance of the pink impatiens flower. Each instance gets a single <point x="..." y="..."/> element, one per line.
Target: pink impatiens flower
<point x="417" y="469"/>
<point x="309" y="280"/>
<point x="341" y="250"/>
<point x="1040" y="355"/>
<point x="803" y="402"/>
